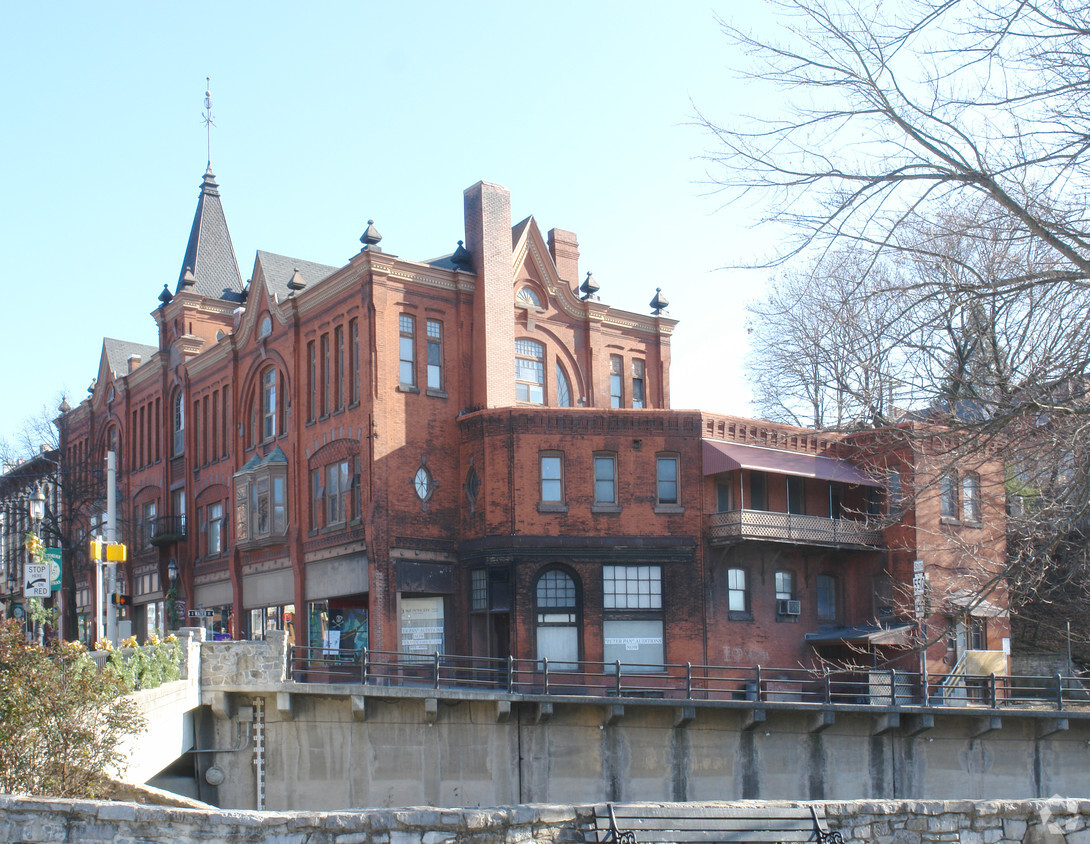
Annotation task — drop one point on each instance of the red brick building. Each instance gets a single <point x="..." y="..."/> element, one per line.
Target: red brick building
<point x="476" y="455"/>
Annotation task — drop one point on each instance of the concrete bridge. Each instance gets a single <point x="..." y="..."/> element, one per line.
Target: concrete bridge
<point x="256" y="739"/>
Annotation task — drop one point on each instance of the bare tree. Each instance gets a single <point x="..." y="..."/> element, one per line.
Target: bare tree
<point x="950" y="140"/>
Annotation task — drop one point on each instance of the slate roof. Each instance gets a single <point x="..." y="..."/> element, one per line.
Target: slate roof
<point x="278" y="270"/>
<point x="118" y="353"/>
<point x="210" y="254"/>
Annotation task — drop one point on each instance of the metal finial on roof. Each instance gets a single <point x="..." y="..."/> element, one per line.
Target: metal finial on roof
<point x="246" y="290"/>
<point x="188" y="279"/>
<point x="296" y="282"/>
<point x="370" y="236"/>
<point x="166" y="296"/>
<point x="461" y="257"/>
<point x="589" y="287"/>
<point x="207" y="116"/>
<point x="659" y="303"/>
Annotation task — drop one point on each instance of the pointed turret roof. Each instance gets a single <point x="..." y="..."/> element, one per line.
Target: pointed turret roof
<point x="209" y="255"/>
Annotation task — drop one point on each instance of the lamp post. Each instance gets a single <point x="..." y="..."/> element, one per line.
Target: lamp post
<point x="172" y="573"/>
<point x="36" y="509"/>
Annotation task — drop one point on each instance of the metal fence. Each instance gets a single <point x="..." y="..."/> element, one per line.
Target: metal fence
<point x="688" y="682"/>
<point x="735" y="525"/>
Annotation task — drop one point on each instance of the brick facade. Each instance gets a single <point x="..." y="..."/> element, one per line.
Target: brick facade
<point x="469" y="454"/>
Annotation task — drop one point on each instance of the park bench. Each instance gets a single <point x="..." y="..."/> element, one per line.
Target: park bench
<point x="709" y="823"/>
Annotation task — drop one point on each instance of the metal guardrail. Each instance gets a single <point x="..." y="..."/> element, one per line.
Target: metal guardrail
<point x="736" y="525"/>
<point x="688" y="682"/>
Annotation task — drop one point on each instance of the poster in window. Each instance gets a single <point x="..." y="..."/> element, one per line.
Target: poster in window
<point x="422" y="626"/>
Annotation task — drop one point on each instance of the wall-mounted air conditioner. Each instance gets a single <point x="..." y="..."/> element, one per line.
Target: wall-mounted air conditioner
<point x="785" y="607"/>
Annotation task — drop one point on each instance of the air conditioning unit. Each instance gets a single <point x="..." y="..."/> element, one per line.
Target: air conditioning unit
<point x="785" y="607"/>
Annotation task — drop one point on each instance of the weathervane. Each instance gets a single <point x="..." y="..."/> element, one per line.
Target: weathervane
<point x="208" y="114"/>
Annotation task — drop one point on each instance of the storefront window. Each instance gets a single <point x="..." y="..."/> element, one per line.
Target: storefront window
<point x="422" y="626"/>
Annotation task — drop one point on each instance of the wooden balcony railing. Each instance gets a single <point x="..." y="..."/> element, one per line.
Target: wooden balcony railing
<point x="741" y="525"/>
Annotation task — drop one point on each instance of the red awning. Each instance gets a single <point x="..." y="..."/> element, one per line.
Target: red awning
<point x="726" y="457"/>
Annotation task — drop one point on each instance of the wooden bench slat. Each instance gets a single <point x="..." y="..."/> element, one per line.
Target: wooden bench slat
<point x="622" y="810"/>
<point x="686" y="823"/>
<point x="715" y="823"/>
<point x="771" y="836"/>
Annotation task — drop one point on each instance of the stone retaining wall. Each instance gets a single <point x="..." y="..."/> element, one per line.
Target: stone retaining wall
<point x="53" y="821"/>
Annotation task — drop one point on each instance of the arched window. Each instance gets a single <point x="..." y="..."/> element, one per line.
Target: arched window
<point x="528" y="296"/>
<point x="529" y="372"/>
<point x="556" y="605"/>
<point x="179" y="423"/>
<point x="563" y="388"/>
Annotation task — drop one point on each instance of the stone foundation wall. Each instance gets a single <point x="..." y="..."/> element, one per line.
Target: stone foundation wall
<point x="52" y="821"/>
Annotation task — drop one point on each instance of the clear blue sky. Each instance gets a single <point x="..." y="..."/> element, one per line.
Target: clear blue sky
<point x="329" y="114"/>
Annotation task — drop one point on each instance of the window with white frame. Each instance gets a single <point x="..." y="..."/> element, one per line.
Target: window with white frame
<point x="737" y="592"/>
<point x="179" y="423"/>
<point x="407" y="350"/>
<point x="435" y="354"/>
<point x="268" y="404"/>
<point x="552" y="477"/>
<point x="970" y="497"/>
<point x="214" y="529"/>
<point x="632" y="617"/>
<point x="529" y="372"/>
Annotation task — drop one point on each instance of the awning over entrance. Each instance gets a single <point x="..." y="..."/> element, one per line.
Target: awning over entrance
<point x="966" y="601"/>
<point x="897" y="636"/>
<point x="726" y="457"/>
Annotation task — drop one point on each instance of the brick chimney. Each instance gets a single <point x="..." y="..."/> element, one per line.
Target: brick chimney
<point x="488" y="239"/>
<point x="564" y="248"/>
<point x="134" y="363"/>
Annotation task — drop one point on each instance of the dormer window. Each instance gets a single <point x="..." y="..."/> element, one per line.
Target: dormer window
<point x="528" y="297"/>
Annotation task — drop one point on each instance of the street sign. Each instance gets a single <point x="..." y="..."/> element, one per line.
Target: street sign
<point x="917" y="566"/>
<point x="17" y="612"/>
<point x="53" y="559"/>
<point x="36" y="580"/>
<point x="201" y="613"/>
<point x="919" y="584"/>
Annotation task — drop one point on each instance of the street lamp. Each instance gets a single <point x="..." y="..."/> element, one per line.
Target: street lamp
<point x="37" y="507"/>
<point x="172" y="616"/>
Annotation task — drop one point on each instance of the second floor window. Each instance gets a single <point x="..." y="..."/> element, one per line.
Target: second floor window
<point x="827" y="599"/>
<point x="552" y="479"/>
<point x="605" y="479"/>
<point x="261" y="507"/>
<point x="737" y="594"/>
<point x="337" y="492"/>
<point x="970" y="497"/>
<point x="214" y="527"/>
<point x="949" y="494"/>
<point x="666" y="481"/>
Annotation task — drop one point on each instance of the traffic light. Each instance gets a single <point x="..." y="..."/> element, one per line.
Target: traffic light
<point x="121" y="600"/>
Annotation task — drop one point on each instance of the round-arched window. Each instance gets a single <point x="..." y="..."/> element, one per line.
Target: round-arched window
<point x="556" y="601"/>
<point x="528" y="296"/>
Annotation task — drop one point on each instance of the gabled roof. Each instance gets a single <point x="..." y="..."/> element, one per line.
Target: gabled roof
<point x="210" y="255"/>
<point x="118" y="352"/>
<point x="278" y="270"/>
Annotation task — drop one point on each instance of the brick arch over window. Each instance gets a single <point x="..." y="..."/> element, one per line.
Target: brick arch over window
<point x="110" y="438"/>
<point x="335" y="486"/>
<point x="262" y="423"/>
<point x="558" y="610"/>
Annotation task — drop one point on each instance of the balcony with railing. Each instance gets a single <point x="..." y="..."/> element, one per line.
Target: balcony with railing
<point x="166" y="530"/>
<point x="793" y="528"/>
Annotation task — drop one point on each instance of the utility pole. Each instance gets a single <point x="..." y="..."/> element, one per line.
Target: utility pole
<point x="111" y="537"/>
